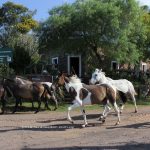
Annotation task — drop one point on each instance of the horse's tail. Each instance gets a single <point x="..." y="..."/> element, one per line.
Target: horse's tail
<point x="135" y="93"/>
<point x="48" y="89"/>
<point x="8" y="91"/>
<point x="51" y="92"/>
<point x="132" y="89"/>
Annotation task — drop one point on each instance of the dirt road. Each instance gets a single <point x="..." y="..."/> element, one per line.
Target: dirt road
<point x="50" y="130"/>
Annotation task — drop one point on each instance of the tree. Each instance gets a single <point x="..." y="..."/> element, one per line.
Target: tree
<point x="98" y="28"/>
<point x="15" y="23"/>
<point x="14" y="19"/>
<point x="21" y="59"/>
<point x="27" y="45"/>
<point x="146" y="21"/>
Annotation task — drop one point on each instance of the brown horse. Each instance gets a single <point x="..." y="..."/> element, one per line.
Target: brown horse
<point x="87" y="95"/>
<point x="34" y="91"/>
<point x="49" y="94"/>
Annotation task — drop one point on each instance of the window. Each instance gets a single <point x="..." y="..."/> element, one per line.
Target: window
<point x="55" y="61"/>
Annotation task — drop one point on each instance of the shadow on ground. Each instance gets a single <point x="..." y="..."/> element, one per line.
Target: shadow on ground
<point x="143" y="125"/>
<point x="126" y="146"/>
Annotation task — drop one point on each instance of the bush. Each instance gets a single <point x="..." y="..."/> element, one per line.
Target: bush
<point x="5" y="70"/>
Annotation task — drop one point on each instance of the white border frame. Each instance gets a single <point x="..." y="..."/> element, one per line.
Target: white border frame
<point x="116" y="64"/>
<point x="55" y="58"/>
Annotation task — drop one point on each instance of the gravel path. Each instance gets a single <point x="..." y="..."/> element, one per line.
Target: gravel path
<point x="51" y="130"/>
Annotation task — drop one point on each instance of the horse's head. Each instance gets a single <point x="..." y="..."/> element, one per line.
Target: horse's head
<point x="97" y="75"/>
<point x="61" y="79"/>
<point x="8" y="82"/>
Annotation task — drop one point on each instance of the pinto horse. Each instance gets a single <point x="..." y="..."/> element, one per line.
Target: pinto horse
<point x="124" y="87"/>
<point x="25" y="91"/>
<point x="87" y="95"/>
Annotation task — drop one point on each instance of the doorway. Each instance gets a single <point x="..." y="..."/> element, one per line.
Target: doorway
<point x="114" y="65"/>
<point x="74" y="63"/>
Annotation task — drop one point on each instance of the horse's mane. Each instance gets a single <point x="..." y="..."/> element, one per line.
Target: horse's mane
<point x="75" y="79"/>
<point x="108" y="78"/>
<point x="22" y="80"/>
<point x="99" y="71"/>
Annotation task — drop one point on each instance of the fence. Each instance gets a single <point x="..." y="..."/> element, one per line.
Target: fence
<point x="41" y="78"/>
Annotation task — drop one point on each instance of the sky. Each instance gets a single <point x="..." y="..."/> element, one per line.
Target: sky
<point x="43" y="6"/>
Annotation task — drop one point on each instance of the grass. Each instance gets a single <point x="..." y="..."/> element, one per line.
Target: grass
<point x="27" y="106"/>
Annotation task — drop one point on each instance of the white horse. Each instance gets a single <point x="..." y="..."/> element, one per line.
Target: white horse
<point x="124" y="87"/>
<point x="87" y="95"/>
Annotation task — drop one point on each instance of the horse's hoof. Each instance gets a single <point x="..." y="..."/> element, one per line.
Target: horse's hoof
<point x="103" y="121"/>
<point x="13" y="112"/>
<point x="117" y="123"/>
<point x="2" y="113"/>
<point x="102" y="118"/>
<point x="36" y="112"/>
<point x="49" y="109"/>
<point x="71" y="121"/>
<point x="84" y="125"/>
<point x="120" y="111"/>
<point x="135" y="111"/>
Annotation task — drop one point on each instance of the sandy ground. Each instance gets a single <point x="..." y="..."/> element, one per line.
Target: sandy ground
<point x="50" y="130"/>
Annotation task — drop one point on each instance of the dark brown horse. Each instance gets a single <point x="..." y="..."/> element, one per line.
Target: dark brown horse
<point x="49" y="94"/>
<point x="87" y="95"/>
<point x="34" y="91"/>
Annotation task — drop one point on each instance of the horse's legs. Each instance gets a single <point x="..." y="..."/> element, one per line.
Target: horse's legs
<point x="84" y="116"/>
<point x="39" y="105"/>
<point x="116" y="108"/>
<point x="124" y="100"/>
<point x="56" y="103"/>
<point x="16" y="106"/>
<point x="134" y="101"/>
<point x="75" y="105"/>
<point x="20" y="102"/>
<point x="32" y="104"/>
<point x="46" y="105"/>
<point x="107" y="108"/>
<point x="105" y="112"/>
<point x="3" y="100"/>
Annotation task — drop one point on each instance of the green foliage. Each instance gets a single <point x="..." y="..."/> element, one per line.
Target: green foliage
<point x="5" y="70"/>
<point x="21" y="59"/>
<point x="17" y="17"/>
<point x="14" y="19"/>
<point x="97" y="28"/>
<point x="28" y="43"/>
<point x="146" y="21"/>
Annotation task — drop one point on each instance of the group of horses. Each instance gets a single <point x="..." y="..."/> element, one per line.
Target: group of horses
<point x="21" y="88"/>
<point x="100" y="90"/>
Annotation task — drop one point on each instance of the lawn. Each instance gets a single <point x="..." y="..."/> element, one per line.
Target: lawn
<point x="27" y="106"/>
